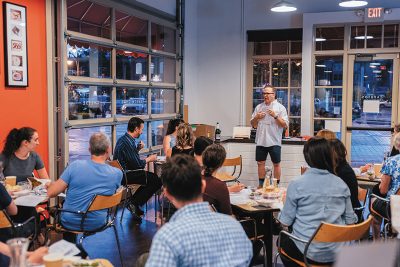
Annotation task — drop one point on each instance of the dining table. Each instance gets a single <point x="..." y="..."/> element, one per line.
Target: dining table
<point x="243" y="205"/>
<point x="367" y="183"/>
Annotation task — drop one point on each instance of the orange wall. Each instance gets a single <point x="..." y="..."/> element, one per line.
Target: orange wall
<point x="27" y="106"/>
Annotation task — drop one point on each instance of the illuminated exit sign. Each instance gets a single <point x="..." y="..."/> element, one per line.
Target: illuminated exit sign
<point x="374" y="14"/>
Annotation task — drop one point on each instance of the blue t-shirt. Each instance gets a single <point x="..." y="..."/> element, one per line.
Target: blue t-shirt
<point x="85" y="179"/>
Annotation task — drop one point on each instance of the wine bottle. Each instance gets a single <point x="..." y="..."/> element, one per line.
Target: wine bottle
<point x="217" y="133"/>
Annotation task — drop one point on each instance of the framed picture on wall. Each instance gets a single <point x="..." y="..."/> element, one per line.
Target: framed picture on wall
<point x="15" y="45"/>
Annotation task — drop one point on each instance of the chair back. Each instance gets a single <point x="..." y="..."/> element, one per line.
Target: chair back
<point x="5" y="221"/>
<point x="105" y="202"/>
<point x="231" y="162"/>
<point x="327" y="232"/>
<point x="115" y="163"/>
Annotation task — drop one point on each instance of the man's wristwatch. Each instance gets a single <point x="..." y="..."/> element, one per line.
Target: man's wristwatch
<point x="276" y="116"/>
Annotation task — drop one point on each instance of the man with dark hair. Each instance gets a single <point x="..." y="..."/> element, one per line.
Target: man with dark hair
<point x="127" y="153"/>
<point x="195" y="235"/>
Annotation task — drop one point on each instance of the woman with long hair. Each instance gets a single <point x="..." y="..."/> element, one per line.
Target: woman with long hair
<point x="184" y="140"/>
<point x="170" y="137"/>
<point x="216" y="192"/>
<point x="19" y="156"/>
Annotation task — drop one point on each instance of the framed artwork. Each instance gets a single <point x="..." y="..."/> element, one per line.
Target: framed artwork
<point x="15" y="45"/>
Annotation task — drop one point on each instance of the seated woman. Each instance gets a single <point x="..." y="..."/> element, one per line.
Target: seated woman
<point x="170" y="137"/>
<point x="390" y="185"/>
<point x="216" y="192"/>
<point x="7" y="205"/>
<point x="394" y="151"/>
<point x="184" y="140"/>
<point x="346" y="173"/>
<point x="317" y="195"/>
<point x="20" y="158"/>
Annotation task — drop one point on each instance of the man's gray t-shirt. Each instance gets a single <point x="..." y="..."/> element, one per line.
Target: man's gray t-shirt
<point x="23" y="168"/>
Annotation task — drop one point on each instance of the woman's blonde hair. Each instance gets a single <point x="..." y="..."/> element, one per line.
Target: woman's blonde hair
<point x="327" y="134"/>
<point x="396" y="141"/>
<point x="184" y="136"/>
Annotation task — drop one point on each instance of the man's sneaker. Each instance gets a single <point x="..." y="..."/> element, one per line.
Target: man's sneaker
<point x="138" y="211"/>
<point x="132" y="210"/>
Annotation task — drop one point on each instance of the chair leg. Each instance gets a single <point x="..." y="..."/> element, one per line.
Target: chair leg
<point x="276" y="259"/>
<point x="123" y="210"/>
<point x="118" y="245"/>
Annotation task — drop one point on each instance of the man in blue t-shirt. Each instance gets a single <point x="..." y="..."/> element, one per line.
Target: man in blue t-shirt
<point x="84" y="179"/>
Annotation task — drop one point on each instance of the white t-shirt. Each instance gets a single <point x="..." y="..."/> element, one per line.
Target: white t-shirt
<point x="269" y="133"/>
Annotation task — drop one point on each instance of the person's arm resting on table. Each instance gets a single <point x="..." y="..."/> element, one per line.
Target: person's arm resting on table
<point x="288" y="213"/>
<point x="55" y="188"/>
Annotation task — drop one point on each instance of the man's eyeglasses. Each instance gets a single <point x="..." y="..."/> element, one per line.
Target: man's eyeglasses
<point x="268" y="93"/>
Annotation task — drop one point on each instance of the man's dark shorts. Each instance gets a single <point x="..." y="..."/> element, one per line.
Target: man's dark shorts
<point x="274" y="151"/>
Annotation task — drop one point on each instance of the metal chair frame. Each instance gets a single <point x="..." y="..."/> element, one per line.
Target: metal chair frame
<point x="233" y="162"/>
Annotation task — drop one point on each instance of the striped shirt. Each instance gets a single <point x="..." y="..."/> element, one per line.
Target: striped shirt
<point x="127" y="154"/>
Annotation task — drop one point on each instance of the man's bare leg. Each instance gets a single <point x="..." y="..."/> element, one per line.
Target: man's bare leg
<point x="277" y="171"/>
<point x="261" y="172"/>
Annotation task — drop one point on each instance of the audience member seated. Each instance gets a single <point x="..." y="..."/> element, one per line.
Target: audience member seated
<point x="195" y="235"/>
<point x="184" y="140"/>
<point x="390" y="184"/>
<point x="394" y="151"/>
<point x="200" y="144"/>
<point x="170" y="137"/>
<point x="216" y="192"/>
<point x="7" y="205"/>
<point x="346" y="173"/>
<point x="127" y="153"/>
<point x="19" y="156"/>
<point x="33" y="258"/>
<point x="317" y="195"/>
<point x="84" y="179"/>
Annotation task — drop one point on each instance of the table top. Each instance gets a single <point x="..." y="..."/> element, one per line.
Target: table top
<point x="365" y="178"/>
<point x="242" y="201"/>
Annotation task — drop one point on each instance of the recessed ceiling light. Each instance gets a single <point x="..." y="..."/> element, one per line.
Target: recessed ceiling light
<point x="364" y="37"/>
<point x="352" y="3"/>
<point x="320" y="39"/>
<point x="283" y="6"/>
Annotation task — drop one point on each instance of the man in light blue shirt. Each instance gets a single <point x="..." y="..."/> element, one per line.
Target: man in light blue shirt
<point x="195" y="235"/>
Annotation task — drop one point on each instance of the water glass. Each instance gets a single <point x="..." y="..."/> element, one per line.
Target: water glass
<point x="25" y="185"/>
<point x="18" y="248"/>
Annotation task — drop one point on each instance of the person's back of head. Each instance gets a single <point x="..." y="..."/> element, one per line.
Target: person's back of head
<point x="99" y="144"/>
<point x="327" y="134"/>
<point x="184" y="136"/>
<point x="318" y="154"/>
<point x="181" y="177"/>
<point x="339" y="151"/>
<point x="172" y="124"/>
<point x="213" y="158"/>
<point x="134" y="123"/>
<point x="200" y="144"/>
<point x="396" y="141"/>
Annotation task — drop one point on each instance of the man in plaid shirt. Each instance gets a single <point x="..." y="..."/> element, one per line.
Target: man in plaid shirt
<point x="195" y="235"/>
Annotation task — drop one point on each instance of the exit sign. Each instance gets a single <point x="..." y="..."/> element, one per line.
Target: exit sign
<point x="373" y="14"/>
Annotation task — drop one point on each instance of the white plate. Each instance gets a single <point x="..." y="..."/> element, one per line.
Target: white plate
<point x="266" y="202"/>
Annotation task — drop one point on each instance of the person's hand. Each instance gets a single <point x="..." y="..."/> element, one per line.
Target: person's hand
<point x="47" y="185"/>
<point x="140" y="145"/>
<point x="261" y="115"/>
<point x="151" y="158"/>
<point x="365" y="167"/>
<point x="303" y="169"/>
<point x="271" y="113"/>
<point x="237" y="187"/>
<point x="36" y="257"/>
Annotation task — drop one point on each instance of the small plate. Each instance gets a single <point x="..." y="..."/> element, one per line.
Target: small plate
<point x="266" y="202"/>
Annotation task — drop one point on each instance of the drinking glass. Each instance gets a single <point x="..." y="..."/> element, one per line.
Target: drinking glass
<point x="25" y="185"/>
<point x="18" y="248"/>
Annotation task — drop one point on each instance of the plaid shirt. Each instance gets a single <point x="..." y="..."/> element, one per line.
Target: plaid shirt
<point x="196" y="236"/>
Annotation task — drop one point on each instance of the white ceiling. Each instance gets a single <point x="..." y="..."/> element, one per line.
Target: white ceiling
<point x="313" y="6"/>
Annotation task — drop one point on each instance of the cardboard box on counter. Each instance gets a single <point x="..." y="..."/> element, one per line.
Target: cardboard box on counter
<point x="203" y="130"/>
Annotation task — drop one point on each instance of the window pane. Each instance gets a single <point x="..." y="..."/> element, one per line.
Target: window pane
<point x="296" y="47"/>
<point x="257" y="97"/>
<point x="328" y="102"/>
<point x="89" y="18"/>
<point x="374" y="36"/>
<point x="295" y="102"/>
<point x="163" y="38"/>
<point x="158" y="130"/>
<point x="280" y="73"/>
<point x="328" y="71"/>
<point x="280" y="48"/>
<point x="131" y="101"/>
<point x="282" y="97"/>
<point x="163" y="101"/>
<point x="88" y="102"/>
<point x="121" y="130"/>
<point x="295" y="73"/>
<point x="163" y="69"/>
<point x="260" y="72"/>
<point x="131" y="65"/>
<point x="320" y="124"/>
<point x="331" y="38"/>
<point x="357" y="37"/>
<point x="88" y="60"/>
<point x="79" y="141"/>
<point x="130" y="29"/>
<point x="262" y="48"/>
<point x="391" y="35"/>
<point x="294" y="127"/>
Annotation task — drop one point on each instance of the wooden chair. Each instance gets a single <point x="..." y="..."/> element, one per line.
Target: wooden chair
<point x="236" y="163"/>
<point x="249" y="224"/>
<point x="16" y="228"/>
<point x="130" y="188"/>
<point x="326" y="233"/>
<point x="98" y="202"/>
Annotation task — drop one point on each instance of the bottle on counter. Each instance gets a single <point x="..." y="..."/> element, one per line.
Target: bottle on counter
<point x="217" y="133"/>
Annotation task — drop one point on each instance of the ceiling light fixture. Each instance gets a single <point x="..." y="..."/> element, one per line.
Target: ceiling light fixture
<point x="364" y="37"/>
<point x="283" y="6"/>
<point x="320" y="39"/>
<point x="320" y="66"/>
<point x="353" y="3"/>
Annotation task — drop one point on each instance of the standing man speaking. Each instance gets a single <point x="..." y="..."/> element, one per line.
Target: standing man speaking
<point x="270" y="118"/>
